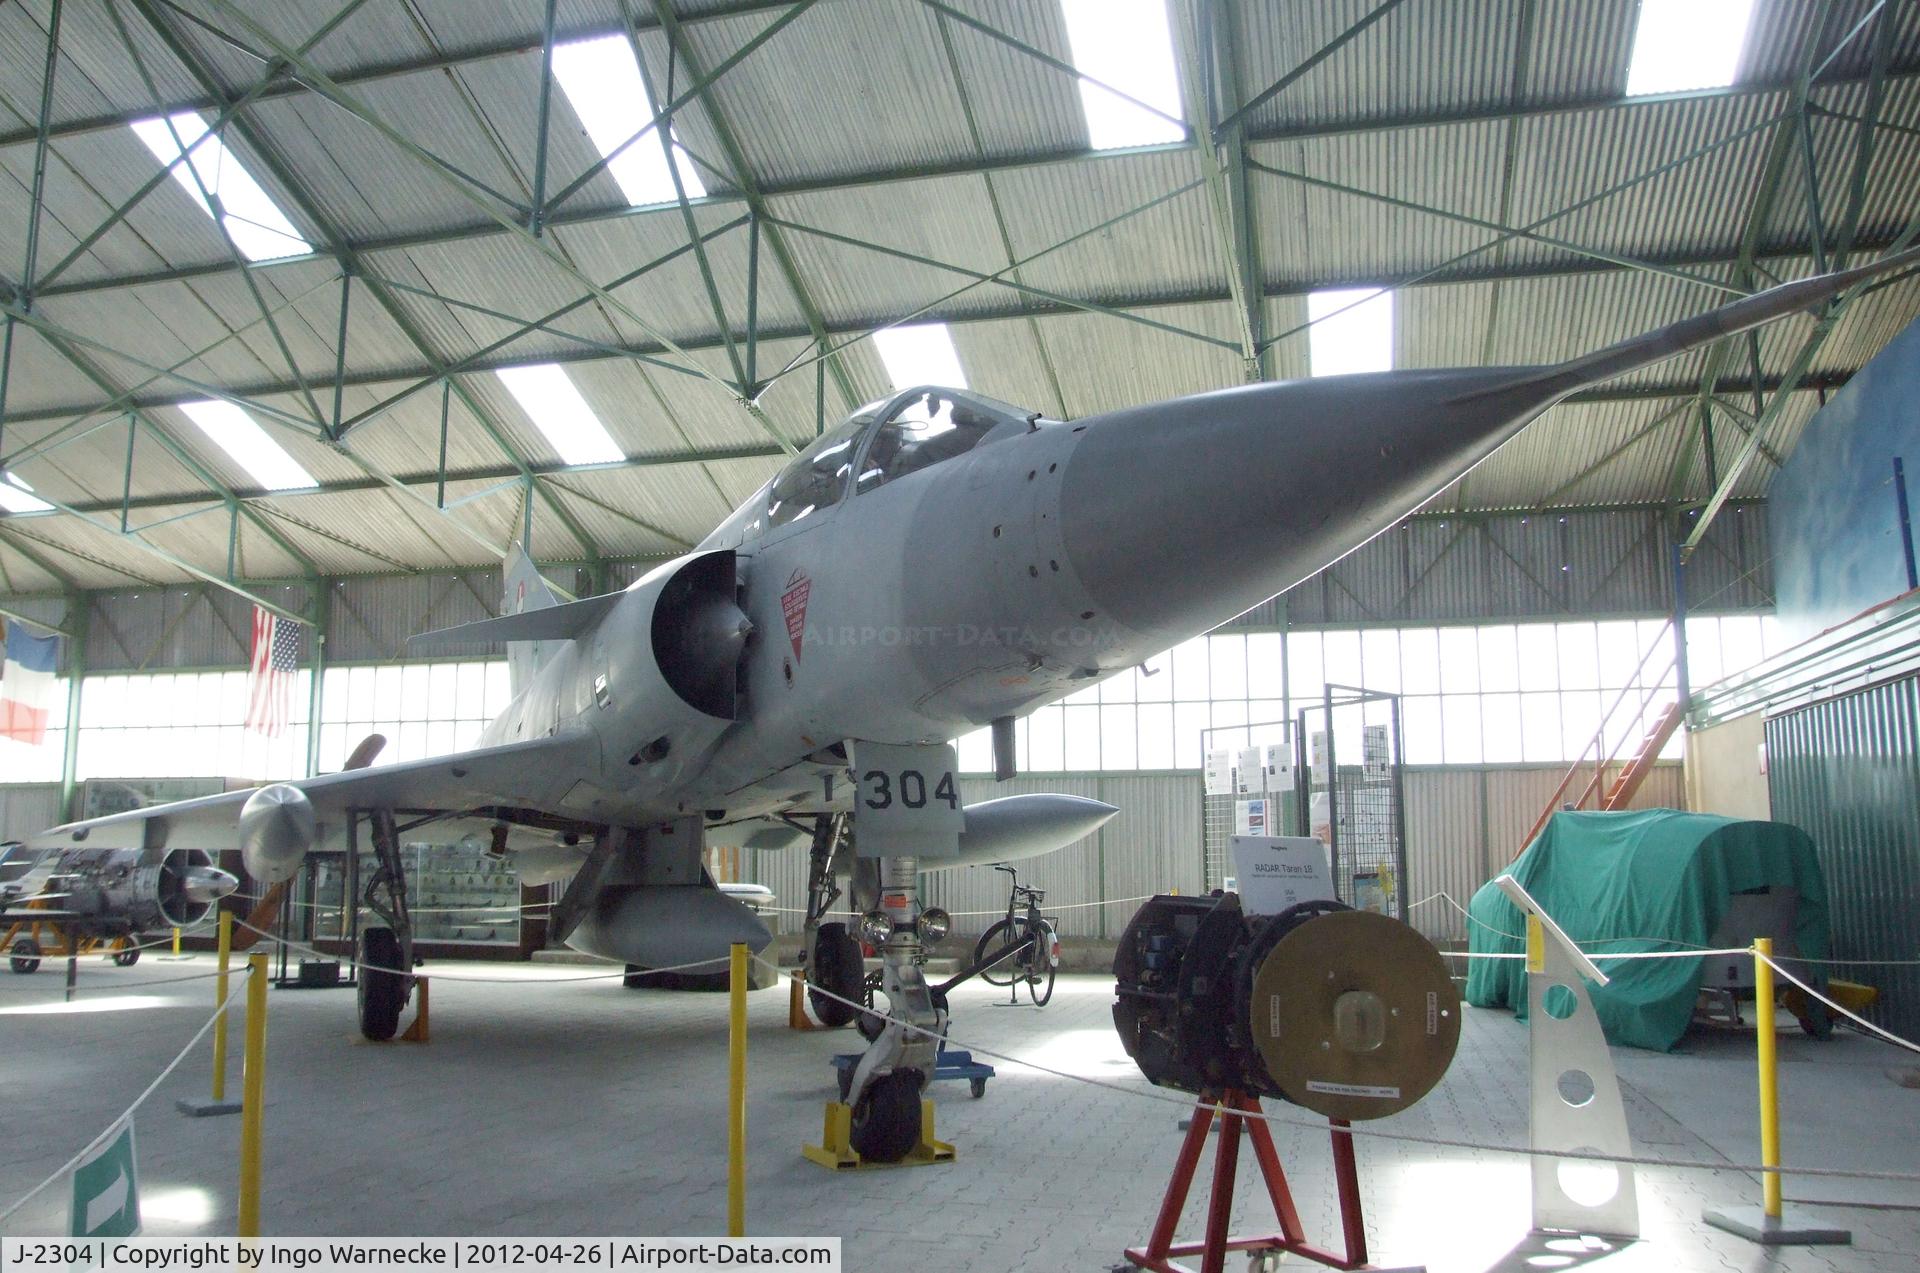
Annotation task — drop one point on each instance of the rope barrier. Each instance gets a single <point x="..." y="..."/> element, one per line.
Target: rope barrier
<point x="1439" y="1142"/>
<point x="138" y="1101"/>
<point x="1858" y="1020"/>
<point x="715" y="964"/>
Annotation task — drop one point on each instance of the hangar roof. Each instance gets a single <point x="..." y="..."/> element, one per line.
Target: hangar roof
<point x="866" y="163"/>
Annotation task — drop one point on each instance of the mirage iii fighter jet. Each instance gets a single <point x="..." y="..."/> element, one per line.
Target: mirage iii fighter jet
<point x="938" y="562"/>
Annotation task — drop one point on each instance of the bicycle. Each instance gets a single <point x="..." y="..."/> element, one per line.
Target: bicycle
<point x="1023" y="947"/>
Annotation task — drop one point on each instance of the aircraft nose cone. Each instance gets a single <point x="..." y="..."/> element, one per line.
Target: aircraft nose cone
<point x="1179" y="516"/>
<point x="205" y="885"/>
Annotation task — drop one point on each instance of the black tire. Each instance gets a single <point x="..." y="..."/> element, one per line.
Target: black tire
<point x="978" y="1087"/>
<point x="838" y="969"/>
<point x="1041" y="968"/>
<point x="991" y="941"/>
<point x="635" y="977"/>
<point x="886" y="1121"/>
<point x="383" y="989"/>
<point x="25" y="957"/>
<point x="126" y="958"/>
<point x="1818" y="1022"/>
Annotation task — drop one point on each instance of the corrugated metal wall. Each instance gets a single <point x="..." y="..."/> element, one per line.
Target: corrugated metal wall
<point x="1463" y="826"/>
<point x="1531" y="566"/>
<point x="1847" y="771"/>
<point x="26" y="809"/>
<point x="1485" y="568"/>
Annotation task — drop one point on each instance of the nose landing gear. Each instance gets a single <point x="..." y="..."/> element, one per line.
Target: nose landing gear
<point x="386" y="953"/>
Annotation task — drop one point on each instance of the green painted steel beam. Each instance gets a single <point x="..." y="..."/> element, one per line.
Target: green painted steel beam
<point x="1899" y="77"/>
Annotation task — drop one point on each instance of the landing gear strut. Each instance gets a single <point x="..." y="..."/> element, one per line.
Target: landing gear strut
<point x="386" y="953"/>
<point x="833" y="959"/>
<point x="887" y="1084"/>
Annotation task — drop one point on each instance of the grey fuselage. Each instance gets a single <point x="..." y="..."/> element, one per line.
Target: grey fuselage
<point x="1047" y="556"/>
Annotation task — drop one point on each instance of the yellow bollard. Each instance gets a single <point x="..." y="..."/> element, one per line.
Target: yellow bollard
<point x="1769" y="1075"/>
<point x="220" y="997"/>
<point x="253" y="1082"/>
<point x="737" y="1094"/>
<point x="176" y="942"/>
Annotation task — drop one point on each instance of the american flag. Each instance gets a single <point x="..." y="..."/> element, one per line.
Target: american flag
<point x="276" y="656"/>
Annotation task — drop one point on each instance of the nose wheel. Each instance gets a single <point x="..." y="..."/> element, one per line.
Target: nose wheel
<point x="886" y="1118"/>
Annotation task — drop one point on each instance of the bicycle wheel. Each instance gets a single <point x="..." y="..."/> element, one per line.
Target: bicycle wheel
<point x="1042" y="966"/>
<point x="992" y="942"/>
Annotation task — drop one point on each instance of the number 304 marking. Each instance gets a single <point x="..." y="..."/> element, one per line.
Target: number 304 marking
<point x="909" y="787"/>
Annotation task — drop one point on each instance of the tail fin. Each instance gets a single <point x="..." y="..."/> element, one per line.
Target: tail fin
<point x="525" y="589"/>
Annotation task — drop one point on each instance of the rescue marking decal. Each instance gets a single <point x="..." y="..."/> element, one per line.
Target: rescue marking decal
<point x="793" y="606"/>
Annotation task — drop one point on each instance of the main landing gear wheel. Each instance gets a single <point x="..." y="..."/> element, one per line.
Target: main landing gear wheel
<point x="838" y="969"/>
<point x="886" y="1120"/>
<point x="126" y="958"/>
<point x="25" y="957"/>
<point x="383" y="993"/>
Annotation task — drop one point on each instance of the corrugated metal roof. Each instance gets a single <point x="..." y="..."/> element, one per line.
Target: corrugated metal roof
<point x="867" y="116"/>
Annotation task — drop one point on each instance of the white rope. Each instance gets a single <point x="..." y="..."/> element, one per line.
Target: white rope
<point x="716" y="964"/>
<point x="1854" y="1017"/>
<point x="1440" y="1142"/>
<point x="138" y="985"/>
<point x="138" y="1101"/>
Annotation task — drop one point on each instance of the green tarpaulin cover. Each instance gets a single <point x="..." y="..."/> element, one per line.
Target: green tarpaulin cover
<point x="1654" y="879"/>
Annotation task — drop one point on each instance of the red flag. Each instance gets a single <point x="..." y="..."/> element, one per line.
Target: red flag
<point x="276" y="656"/>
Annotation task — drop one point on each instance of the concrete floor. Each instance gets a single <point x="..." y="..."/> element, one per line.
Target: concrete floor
<point x="556" y="1106"/>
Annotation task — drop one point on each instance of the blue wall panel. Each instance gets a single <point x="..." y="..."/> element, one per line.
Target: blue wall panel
<point x="1836" y="531"/>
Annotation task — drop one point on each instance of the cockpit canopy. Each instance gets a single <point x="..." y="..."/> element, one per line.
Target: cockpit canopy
<point x="883" y="442"/>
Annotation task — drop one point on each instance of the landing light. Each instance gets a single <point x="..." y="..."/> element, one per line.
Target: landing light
<point x="934" y="924"/>
<point x="876" y="927"/>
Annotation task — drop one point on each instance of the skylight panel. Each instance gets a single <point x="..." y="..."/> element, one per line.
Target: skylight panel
<point x="1128" y="44"/>
<point x="17" y="497"/>
<point x="1343" y="341"/>
<point x="259" y="229"/>
<point x="602" y="81"/>
<point x="920" y="354"/>
<point x="247" y="444"/>
<point x="1687" y="44"/>
<point x="556" y="408"/>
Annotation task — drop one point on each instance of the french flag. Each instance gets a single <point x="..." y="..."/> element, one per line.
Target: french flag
<point x="26" y="686"/>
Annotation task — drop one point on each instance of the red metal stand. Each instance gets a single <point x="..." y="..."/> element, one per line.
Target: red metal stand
<point x="1160" y="1249"/>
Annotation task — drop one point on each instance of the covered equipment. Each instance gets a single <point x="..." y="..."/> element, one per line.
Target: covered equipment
<point x="1650" y="880"/>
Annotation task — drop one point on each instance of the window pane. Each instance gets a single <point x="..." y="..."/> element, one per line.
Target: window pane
<point x="360" y="695"/>
<point x="1227" y="659"/>
<point x="1188" y="720"/>
<point x="1380" y="659"/>
<point x="413" y="691"/>
<point x="1305" y="666"/>
<point x="1540" y="727"/>
<point x="976" y="751"/>
<point x="1499" y="658"/>
<point x="1341" y="650"/>
<point x="1740" y="643"/>
<point x="1459" y="660"/>
<point x="1420" y="661"/>
<point x="1703" y="650"/>
<point x="1153" y="679"/>
<point x="1046" y="739"/>
<point x="1082" y="750"/>
<point x="1120" y="688"/>
<point x="470" y="694"/>
<point x="442" y="697"/>
<point x="1460" y="729"/>
<point x="499" y="688"/>
<point x="1539" y="656"/>
<point x="1579" y="657"/>
<point x="1580" y="720"/>
<point x="1156" y="736"/>
<point x="1119" y="740"/>
<point x="1500" y="727"/>
<point x="1619" y="642"/>
<point x="1263" y="664"/>
<point x="1190" y="683"/>
<point x="1420" y="730"/>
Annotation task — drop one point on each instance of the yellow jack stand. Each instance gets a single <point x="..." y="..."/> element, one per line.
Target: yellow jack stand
<point x="417" y="1032"/>
<point x="837" y="1151"/>
<point x="797" y="1018"/>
